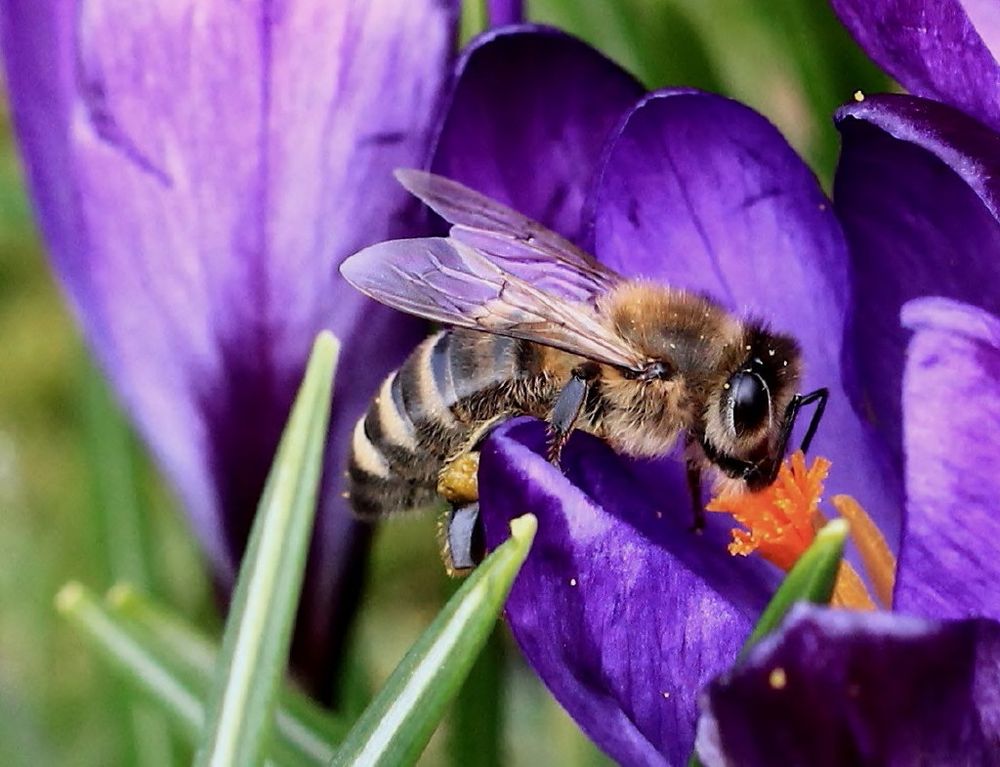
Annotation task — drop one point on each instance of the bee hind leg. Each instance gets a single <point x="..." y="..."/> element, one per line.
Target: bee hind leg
<point x="458" y="480"/>
<point x="463" y="540"/>
<point x="459" y="532"/>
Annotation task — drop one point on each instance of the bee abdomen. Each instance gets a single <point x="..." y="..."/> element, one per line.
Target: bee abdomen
<point x="421" y="416"/>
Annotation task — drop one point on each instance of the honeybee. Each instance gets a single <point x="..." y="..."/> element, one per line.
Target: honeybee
<point x="536" y="326"/>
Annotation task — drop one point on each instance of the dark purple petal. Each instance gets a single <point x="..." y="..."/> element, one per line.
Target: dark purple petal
<point x="950" y="558"/>
<point x="527" y="119"/>
<point x="704" y="194"/>
<point x="620" y="608"/>
<point x="946" y="50"/>
<point x="837" y="688"/>
<point x="918" y="193"/>
<point x="200" y="169"/>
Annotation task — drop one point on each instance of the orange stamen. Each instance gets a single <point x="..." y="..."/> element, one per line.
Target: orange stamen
<point x="849" y="591"/>
<point x="781" y="522"/>
<point x="877" y="557"/>
<point x="781" y="519"/>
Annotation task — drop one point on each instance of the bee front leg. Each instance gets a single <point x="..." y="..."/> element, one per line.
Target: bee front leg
<point x="694" y="486"/>
<point x="567" y="408"/>
<point x="694" y="460"/>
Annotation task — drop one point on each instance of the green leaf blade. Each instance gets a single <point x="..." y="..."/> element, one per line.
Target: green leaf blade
<point x="303" y="729"/>
<point x="812" y="579"/>
<point x="132" y="659"/>
<point x="258" y="630"/>
<point x="395" y="728"/>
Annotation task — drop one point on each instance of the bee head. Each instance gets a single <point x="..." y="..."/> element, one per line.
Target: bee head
<point x="745" y="418"/>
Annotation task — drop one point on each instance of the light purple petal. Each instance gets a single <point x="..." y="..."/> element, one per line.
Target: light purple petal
<point x="837" y="688"/>
<point x="918" y="193"/>
<point x="200" y="169"/>
<point x="527" y="119"/>
<point x="950" y="558"/>
<point x="702" y="193"/>
<point x="621" y="609"/>
<point x="945" y="49"/>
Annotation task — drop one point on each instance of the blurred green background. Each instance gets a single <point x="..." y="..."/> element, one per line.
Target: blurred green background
<point x="79" y="500"/>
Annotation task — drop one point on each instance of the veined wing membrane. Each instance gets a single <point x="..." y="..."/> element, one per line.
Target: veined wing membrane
<point x="447" y="281"/>
<point x="520" y="246"/>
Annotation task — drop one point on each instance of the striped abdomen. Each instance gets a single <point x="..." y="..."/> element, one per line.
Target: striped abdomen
<point x="434" y="407"/>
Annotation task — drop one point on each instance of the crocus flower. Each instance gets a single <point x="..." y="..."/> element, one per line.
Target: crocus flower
<point x="623" y="612"/>
<point x="838" y="688"/>
<point x="199" y="170"/>
<point x="918" y="190"/>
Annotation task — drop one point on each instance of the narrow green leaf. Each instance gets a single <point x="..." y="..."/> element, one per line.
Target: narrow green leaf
<point x="395" y="728"/>
<point x="130" y="658"/>
<point x="811" y="580"/>
<point x="121" y="525"/>
<point x="475" y="724"/>
<point x="139" y="659"/>
<point x="258" y="630"/>
<point x="306" y="728"/>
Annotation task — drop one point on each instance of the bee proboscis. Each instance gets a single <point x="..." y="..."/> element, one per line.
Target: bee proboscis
<point x="536" y="326"/>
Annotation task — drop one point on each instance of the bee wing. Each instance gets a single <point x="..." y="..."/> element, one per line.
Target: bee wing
<point x="448" y="281"/>
<point x="521" y="247"/>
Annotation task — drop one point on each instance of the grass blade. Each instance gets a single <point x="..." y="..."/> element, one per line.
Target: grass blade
<point x="124" y="547"/>
<point x="306" y="729"/>
<point x="811" y="580"/>
<point x="395" y="728"/>
<point x="153" y="675"/>
<point x="476" y="721"/>
<point x="131" y="659"/>
<point x="258" y="630"/>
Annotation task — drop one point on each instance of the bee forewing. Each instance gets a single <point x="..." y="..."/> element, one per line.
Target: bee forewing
<point x="448" y="281"/>
<point x="519" y="245"/>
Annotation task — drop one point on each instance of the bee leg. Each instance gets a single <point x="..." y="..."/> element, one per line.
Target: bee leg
<point x="567" y="408"/>
<point x="463" y="539"/>
<point x="694" y="486"/>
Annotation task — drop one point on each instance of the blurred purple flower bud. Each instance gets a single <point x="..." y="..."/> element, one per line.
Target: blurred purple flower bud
<point x="199" y="171"/>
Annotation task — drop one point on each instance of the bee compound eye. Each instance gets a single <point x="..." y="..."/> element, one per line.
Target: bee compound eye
<point x="750" y="401"/>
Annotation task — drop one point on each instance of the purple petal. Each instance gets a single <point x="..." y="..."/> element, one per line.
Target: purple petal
<point x="200" y="169"/>
<point x="527" y="119"/>
<point x="620" y="608"/>
<point x="946" y="50"/>
<point x="505" y="12"/>
<point x="918" y="193"/>
<point x="950" y="559"/>
<point x="704" y="194"/>
<point x="837" y="687"/>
